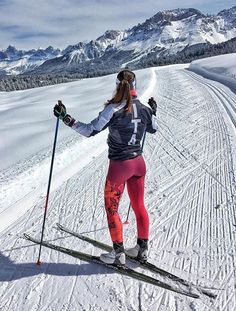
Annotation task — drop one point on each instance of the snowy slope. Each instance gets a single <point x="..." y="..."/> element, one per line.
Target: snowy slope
<point x="221" y="68"/>
<point x="190" y="195"/>
<point x="222" y="64"/>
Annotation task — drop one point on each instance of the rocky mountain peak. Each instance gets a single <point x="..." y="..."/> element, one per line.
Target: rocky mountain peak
<point x="229" y="15"/>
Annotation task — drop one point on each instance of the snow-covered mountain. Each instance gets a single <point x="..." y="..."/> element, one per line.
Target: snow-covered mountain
<point x="164" y="34"/>
<point x="229" y="16"/>
<point x="94" y="49"/>
<point x="13" y="61"/>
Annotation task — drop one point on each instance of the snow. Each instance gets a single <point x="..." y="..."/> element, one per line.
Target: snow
<point x="220" y="68"/>
<point x="180" y="33"/>
<point x="190" y="196"/>
<point x="221" y="64"/>
<point x="15" y="67"/>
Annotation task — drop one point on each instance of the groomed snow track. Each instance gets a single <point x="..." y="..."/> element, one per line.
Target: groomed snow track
<point x="190" y="195"/>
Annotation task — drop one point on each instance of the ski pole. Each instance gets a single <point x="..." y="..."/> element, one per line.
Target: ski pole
<point x="48" y="191"/>
<point x="127" y="218"/>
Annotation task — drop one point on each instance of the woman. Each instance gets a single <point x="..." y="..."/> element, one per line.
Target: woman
<point x="127" y="120"/>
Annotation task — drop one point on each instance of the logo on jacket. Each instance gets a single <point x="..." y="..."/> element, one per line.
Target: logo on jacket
<point x="135" y="121"/>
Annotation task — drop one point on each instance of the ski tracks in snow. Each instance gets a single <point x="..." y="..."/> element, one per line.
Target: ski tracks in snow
<point x="190" y="195"/>
<point x="195" y="228"/>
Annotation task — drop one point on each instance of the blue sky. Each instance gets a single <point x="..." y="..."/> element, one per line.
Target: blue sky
<point x="39" y="23"/>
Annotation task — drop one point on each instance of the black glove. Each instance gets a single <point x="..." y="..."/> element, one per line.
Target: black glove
<point x="60" y="112"/>
<point x="152" y="103"/>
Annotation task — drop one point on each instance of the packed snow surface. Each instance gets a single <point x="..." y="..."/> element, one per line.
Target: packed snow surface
<point x="190" y="196"/>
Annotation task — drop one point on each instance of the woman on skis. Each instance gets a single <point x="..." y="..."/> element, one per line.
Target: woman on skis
<point x="127" y="120"/>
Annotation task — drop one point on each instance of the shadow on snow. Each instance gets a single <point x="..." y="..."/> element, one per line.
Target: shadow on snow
<point x="10" y="271"/>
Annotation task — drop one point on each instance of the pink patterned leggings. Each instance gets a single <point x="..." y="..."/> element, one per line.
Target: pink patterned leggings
<point x="131" y="172"/>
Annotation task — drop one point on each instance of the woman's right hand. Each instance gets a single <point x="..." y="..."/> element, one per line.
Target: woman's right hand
<point x="59" y="110"/>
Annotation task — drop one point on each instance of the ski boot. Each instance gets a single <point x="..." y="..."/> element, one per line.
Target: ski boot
<point x="138" y="252"/>
<point x="116" y="256"/>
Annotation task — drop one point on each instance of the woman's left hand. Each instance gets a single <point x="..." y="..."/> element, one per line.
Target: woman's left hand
<point x="152" y="103"/>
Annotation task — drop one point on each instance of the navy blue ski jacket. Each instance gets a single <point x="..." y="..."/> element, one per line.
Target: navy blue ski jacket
<point x="125" y="129"/>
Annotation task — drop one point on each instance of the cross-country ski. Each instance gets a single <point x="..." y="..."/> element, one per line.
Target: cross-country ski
<point x="151" y="267"/>
<point x="119" y="269"/>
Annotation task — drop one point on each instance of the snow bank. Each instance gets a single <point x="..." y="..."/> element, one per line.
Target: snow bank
<point x="220" y="68"/>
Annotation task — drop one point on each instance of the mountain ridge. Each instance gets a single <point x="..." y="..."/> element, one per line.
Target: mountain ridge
<point x="164" y="34"/>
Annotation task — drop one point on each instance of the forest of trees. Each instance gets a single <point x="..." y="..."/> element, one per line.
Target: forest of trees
<point x="23" y="82"/>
